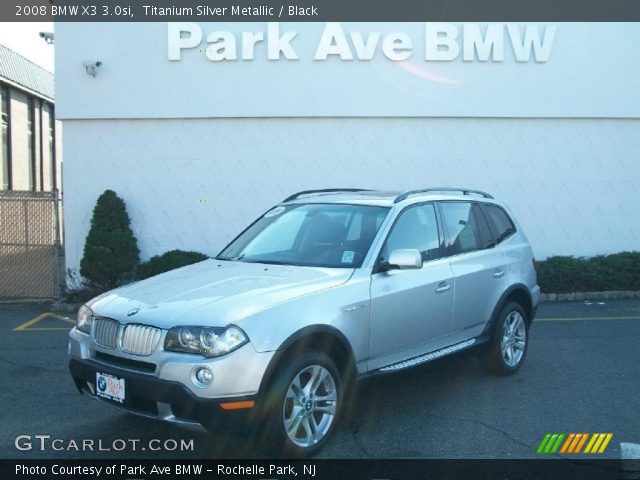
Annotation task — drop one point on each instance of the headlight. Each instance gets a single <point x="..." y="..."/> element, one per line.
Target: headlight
<point x="84" y="320"/>
<point x="207" y="341"/>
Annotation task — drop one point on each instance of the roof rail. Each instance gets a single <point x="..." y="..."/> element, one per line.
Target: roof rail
<point x="324" y="190"/>
<point x="464" y="191"/>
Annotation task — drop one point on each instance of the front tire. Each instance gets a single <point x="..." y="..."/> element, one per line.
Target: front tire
<point x="510" y="341"/>
<point x="304" y="402"/>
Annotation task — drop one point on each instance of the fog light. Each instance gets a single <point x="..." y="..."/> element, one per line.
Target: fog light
<point x="203" y="377"/>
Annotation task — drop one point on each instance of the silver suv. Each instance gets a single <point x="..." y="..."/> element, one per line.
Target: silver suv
<point x="325" y="288"/>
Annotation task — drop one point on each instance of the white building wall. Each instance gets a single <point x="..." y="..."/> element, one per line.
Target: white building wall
<point x="199" y="148"/>
<point x="194" y="184"/>
<point x="592" y="70"/>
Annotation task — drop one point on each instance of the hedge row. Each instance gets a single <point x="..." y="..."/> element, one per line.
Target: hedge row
<point x="111" y="256"/>
<point x="620" y="271"/>
<point x="168" y="261"/>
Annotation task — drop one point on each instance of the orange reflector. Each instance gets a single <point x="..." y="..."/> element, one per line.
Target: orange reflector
<point x="238" y="405"/>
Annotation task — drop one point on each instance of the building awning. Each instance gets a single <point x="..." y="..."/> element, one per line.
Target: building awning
<point x="16" y="69"/>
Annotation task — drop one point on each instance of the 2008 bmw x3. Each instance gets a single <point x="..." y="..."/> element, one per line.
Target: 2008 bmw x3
<point x="326" y="287"/>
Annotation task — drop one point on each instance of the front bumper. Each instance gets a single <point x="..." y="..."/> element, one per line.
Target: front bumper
<point x="165" y="400"/>
<point x="160" y="385"/>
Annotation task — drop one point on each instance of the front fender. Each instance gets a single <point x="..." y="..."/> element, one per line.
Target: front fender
<point x="343" y="310"/>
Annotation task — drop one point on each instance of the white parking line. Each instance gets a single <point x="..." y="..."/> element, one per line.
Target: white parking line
<point x="630" y="451"/>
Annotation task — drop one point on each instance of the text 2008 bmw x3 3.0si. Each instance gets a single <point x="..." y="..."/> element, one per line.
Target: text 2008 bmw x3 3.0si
<point x="326" y="287"/>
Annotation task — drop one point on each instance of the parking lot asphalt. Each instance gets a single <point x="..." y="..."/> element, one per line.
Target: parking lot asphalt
<point x="581" y="374"/>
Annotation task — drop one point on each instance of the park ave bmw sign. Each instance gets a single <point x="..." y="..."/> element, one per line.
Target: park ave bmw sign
<point x="442" y="42"/>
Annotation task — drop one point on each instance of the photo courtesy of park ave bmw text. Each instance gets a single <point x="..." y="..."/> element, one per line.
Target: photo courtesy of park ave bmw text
<point x="201" y="127"/>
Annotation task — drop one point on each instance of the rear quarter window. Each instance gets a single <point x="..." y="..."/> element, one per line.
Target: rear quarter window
<point x="500" y="222"/>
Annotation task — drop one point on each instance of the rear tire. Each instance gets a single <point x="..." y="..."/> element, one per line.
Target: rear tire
<point x="510" y="341"/>
<point x="303" y="405"/>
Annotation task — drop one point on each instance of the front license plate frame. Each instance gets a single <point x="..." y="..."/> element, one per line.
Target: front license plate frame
<point x="110" y="387"/>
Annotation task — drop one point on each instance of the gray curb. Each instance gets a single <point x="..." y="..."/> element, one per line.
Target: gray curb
<point x="612" y="295"/>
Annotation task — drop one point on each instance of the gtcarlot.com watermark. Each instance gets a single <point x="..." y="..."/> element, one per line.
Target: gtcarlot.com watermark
<point x="46" y="443"/>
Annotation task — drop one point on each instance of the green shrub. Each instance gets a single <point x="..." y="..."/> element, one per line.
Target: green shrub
<point x="111" y="253"/>
<point x="168" y="261"/>
<point x="616" y="272"/>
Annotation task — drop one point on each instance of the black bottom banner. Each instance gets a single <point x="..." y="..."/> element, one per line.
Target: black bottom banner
<point x="563" y="469"/>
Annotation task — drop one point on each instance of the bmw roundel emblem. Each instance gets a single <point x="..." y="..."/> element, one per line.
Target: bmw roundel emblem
<point x="102" y="384"/>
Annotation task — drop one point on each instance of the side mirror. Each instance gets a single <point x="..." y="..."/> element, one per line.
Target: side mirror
<point x="403" y="260"/>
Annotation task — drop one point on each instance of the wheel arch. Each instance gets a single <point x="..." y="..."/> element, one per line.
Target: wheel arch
<point x="518" y="293"/>
<point x="324" y="338"/>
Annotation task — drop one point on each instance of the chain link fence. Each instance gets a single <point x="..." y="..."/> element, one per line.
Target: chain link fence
<point x="31" y="262"/>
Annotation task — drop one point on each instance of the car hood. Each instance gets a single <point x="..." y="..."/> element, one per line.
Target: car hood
<point x="213" y="293"/>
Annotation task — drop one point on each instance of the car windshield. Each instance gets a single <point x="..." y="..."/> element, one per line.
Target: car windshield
<point x="316" y="235"/>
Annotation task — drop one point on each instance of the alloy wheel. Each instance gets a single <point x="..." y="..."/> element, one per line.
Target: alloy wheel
<point x="514" y="338"/>
<point x="310" y="406"/>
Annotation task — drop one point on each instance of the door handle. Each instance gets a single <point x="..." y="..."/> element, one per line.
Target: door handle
<point x="443" y="287"/>
<point x="499" y="273"/>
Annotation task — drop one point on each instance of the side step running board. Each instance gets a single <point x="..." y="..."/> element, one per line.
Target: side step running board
<point x="428" y="356"/>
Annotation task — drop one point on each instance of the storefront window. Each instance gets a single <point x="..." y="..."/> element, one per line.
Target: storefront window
<point x="52" y="147"/>
<point x="5" y="171"/>
<point x="31" y="137"/>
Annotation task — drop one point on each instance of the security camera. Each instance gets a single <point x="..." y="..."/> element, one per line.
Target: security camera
<point x="92" y="67"/>
<point x="47" y="36"/>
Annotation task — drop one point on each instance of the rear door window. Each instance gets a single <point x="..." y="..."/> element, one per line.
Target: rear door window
<point x="466" y="228"/>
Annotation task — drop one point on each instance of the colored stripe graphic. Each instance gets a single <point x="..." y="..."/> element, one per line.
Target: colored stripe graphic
<point x="543" y="443"/>
<point x="581" y="443"/>
<point x="605" y="443"/>
<point x="551" y="442"/>
<point x="578" y="441"/>
<point x="596" y="446"/>
<point x="555" y="447"/>
<point x="594" y="437"/>
<point x="598" y="443"/>
<point x="573" y="442"/>
<point x="566" y="445"/>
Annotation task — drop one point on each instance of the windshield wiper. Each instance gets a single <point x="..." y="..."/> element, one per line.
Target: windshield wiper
<point x="230" y="259"/>
<point x="267" y="262"/>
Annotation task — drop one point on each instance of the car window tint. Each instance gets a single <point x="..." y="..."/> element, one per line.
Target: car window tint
<point x="326" y="235"/>
<point x="415" y="229"/>
<point x="466" y="228"/>
<point x="484" y="232"/>
<point x="500" y="222"/>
